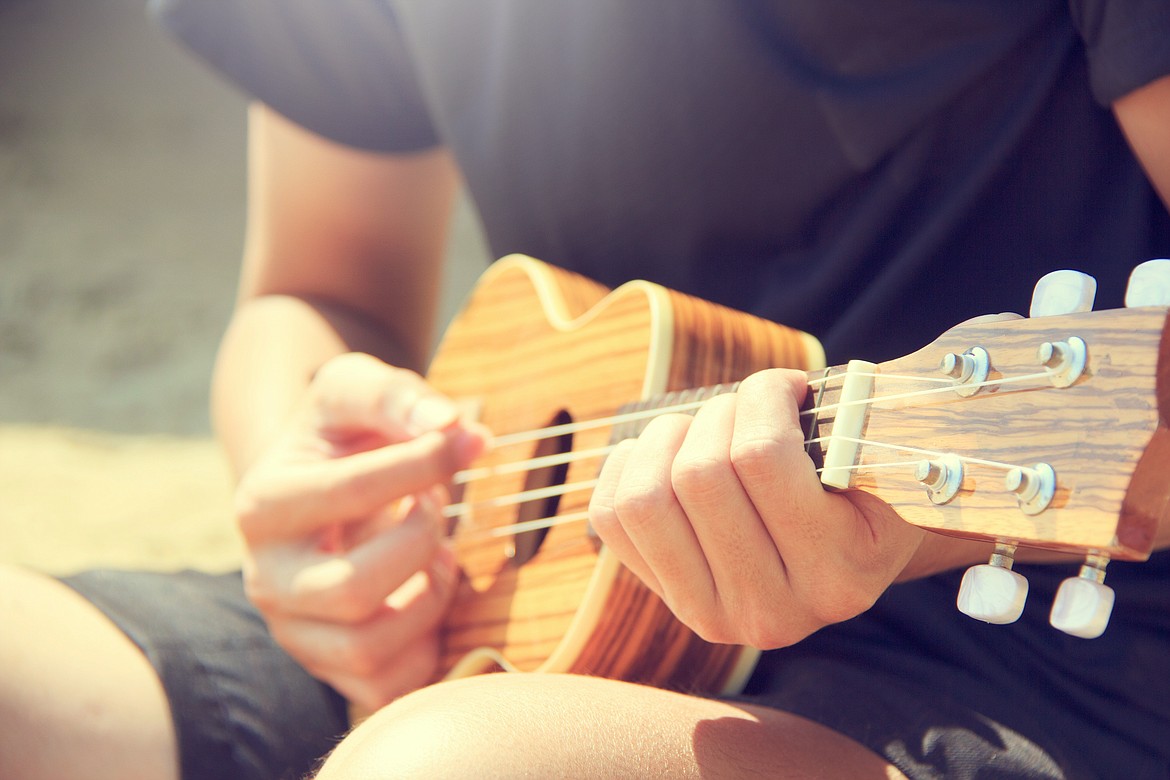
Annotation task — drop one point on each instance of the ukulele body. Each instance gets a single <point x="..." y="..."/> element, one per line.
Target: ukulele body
<point x="537" y="347"/>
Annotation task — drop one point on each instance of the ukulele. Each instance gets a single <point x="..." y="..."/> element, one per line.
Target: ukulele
<point x="969" y="436"/>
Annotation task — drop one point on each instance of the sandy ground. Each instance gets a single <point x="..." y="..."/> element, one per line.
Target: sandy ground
<point x="121" y="202"/>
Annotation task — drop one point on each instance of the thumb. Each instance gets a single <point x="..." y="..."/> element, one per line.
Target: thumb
<point x="358" y="392"/>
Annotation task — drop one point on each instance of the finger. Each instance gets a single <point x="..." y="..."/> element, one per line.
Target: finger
<point x="292" y="500"/>
<point x="769" y="457"/>
<point x="603" y="515"/>
<point x="740" y="553"/>
<point x="352" y="585"/>
<point x="838" y="558"/>
<point x="413" y="667"/>
<point x="364" y="648"/>
<point x="358" y="391"/>
<point x="654" y="520"/>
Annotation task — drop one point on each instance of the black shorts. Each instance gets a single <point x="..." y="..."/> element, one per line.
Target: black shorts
<point x="936" y="693"/>
<point x="243" y="709"/>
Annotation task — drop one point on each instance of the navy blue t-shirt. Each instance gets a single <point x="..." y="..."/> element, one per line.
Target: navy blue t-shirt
<point x="871" y="172"/>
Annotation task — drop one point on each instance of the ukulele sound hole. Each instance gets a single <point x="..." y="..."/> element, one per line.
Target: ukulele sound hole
<point x="526" y="544"/>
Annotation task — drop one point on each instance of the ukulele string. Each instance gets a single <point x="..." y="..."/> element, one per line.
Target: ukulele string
<point x="455" y="510"/>
<point x="538" y="434"/>
<point x="919" y="393"/>
<point x="468" y="476"/>
<point x="511" y="467"/>
<point x="551" y="432"/>
<point x="460" y="509"/>
<point x="526" y="526"/>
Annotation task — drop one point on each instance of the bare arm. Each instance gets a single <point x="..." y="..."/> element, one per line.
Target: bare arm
<point x="343" y="253"/>
<point x="340" y="455"/>
<point x="1144" y="116"/>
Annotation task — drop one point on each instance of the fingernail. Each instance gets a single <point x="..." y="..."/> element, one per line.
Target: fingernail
<point x="470" y="443"/>
<point x="432" y="413"/>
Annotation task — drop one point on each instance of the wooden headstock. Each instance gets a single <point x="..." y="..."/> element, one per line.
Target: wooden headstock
<point x="1046" y="432"/>
<point x="1093" y="433"/>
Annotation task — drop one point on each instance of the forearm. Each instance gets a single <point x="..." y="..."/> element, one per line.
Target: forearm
<point x="343" y="253"/>
<point x="272" y="348"/>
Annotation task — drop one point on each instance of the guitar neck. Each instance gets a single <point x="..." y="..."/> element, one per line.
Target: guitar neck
<point x="975" y="436"/>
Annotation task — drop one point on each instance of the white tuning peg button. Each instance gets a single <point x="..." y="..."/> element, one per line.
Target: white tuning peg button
<point x="993" y="594"/>
<point x="1082" y="607"/>
<point x="1084" y="603"/>
<point x="1063" y="292"/>
<point x="1149" y="285"/>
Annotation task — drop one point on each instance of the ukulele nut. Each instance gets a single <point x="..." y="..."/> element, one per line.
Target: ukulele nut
<point x="1033" y="487"/>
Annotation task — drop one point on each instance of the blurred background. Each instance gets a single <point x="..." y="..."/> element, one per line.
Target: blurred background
<point x="121" y="224"/>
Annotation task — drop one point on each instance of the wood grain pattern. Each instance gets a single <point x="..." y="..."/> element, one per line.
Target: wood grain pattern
<point x="536" y="345"/>
<point x="1094" y="434"/>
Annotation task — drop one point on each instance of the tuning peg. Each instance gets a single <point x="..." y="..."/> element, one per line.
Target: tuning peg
<point x="992" y="592"/>
<point x="1084" y="603"/>
<point x="1063" y="292"/>
<point x="1149" y="285"/>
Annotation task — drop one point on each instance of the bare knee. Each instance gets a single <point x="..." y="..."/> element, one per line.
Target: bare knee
<point x="537" y="725"/>
<point x="480" y="727"/>
<point x="514" y="725"/>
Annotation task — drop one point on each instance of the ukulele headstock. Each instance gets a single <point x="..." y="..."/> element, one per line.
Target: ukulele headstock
<point x="1047" y="432"/>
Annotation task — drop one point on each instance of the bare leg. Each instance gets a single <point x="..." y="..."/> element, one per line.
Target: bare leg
<point x="563" y="726"/>
<point x="77" y="698"/>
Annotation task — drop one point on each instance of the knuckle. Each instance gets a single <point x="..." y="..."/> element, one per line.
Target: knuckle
<point x="771" y="380"/>
<point x="757" y="457"/>
<point x="637" y="504"/>
<point x="711" y="630"/>
<point x="603" y="518"/>
<point x="703" y="479"/>
<point x="839" y="599"/>
<point x="347" y="601"/>
<point x="698" y="615"/>
<point x="332" y="588"/>
<point x="341" y="366"/>
<point x="765" y="632"/>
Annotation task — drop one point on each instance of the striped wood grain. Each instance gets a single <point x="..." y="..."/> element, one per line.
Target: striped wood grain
<point x="533" y="345"/>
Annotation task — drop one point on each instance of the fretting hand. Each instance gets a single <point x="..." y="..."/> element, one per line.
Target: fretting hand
<point x="724" y="517"/>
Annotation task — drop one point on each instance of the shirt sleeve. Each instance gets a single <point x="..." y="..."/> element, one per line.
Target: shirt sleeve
<point x="340" y="68"/>
<point x="1127" y="43"/>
